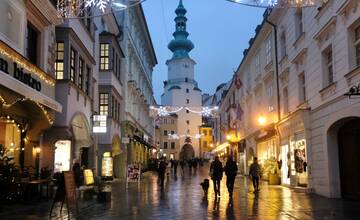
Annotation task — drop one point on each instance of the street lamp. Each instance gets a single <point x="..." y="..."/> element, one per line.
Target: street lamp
<point x="262" y="120"/>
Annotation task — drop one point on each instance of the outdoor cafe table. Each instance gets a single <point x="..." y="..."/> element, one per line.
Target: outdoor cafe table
<point x="38" y="185"/>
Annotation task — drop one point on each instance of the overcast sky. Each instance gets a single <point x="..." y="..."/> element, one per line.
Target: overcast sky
<point x="220" y="31"/>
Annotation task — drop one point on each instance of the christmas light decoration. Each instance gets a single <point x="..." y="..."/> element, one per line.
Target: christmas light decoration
<point x="279" y="3"/>
<point x="92" y="8"/>
<point x="177" y="136"/>
<point x="168" y="110"/>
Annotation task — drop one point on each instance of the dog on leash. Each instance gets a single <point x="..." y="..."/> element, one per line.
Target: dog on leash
<point x="205" y="186"/>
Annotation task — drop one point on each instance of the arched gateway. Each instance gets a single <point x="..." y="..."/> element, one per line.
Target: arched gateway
<point x="187" y="152"/>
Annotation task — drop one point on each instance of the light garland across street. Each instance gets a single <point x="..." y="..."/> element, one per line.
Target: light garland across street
<point x="162" y="111"/>
<point x="177" y="136"/>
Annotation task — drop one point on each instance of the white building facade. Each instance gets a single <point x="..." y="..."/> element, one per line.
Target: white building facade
<point x="181" y="88"/>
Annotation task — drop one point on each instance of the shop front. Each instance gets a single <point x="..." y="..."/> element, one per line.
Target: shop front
<point x="293" y="150"/>
<point x="267" y="154"/>
<point x="27" y="108"/>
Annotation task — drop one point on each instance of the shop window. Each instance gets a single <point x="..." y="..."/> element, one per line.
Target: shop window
<point x="32" y="44"/>
<point x="62" y="156"/>
<point x="172" y="145"/>
<point x="104" y="56"/>
<point x="81" y="73"/>
<point x="59" y="62"/>
<point x="328" y="71"/>
<point x="104" y="103"/>
<point x="165" y="145"/>
<point x="72" y="65"/>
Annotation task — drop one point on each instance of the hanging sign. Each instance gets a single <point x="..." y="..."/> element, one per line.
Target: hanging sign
<point x="88" y="177"/>
<point x="99" y="123"/>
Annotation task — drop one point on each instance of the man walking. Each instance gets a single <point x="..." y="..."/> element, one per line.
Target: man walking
<point x="255" y="174"/>
<point x="162" y="170"/>
<point x="216" y="171"/>
<point x="230" y="171"/>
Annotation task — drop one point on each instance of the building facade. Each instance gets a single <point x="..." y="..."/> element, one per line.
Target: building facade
<point x="27" y="80"/>
<point x="137" y="127"/>
<point x="181" y="89"/>
<point x="169" y="141"/>
<point x="310" y="140"/>
<point x="319" y="61"/>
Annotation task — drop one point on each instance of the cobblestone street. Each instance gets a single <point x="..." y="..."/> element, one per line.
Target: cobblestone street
<point x="182" y="198"/>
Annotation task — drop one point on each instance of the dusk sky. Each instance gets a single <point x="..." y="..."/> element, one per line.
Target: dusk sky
<point x="220" y="31"/>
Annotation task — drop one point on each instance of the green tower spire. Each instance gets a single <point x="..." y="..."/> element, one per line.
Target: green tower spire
<point x="180" y="45"/>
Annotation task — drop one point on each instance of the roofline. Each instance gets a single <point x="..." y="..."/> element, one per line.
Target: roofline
<point x="148" y="33"/>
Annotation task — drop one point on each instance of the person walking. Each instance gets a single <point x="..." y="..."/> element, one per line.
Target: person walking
<point x="255" y="174"/>
<point x="182" y="165"/>
<point x="190" y="165"/>
<point x="230" y="171"/>
<point x="161" y="171"/>
<point x="216" y="171"/>
<point x="175" y="162"/>
<point x="77" y="172"/>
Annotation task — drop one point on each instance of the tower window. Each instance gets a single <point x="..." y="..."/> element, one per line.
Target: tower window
<point x="187" y="90"/>
<point x="186" y="79"/>
<point x="187" y="101"/>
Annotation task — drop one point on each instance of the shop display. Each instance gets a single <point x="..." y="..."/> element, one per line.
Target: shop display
<point x="107" y="165"/>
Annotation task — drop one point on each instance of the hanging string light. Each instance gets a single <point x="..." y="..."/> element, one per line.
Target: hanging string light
<point x="177" y="136"/>
<point x="279" y="3"/>
<point x="92" y="8"/>
<point x="168" y="110"/>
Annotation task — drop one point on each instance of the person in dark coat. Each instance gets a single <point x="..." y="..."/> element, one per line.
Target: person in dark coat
<point x="182" y="165"/>
<point x="161" y="171"/>
<point x="230" y="171"/>
<point x="175" y="162"/>
<point x="216" y="171"/>
<point x="77" y="172"/>
<point x="255" y="174"/>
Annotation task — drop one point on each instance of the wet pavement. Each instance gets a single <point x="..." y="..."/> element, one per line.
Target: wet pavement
<point x="183" y="198"/>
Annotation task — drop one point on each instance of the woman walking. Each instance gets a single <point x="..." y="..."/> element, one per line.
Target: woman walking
<point x="216" y="171"/>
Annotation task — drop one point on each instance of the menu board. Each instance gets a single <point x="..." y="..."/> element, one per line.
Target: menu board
<point x="133" y="173"/>
<point x="88" y="177"/>
<point x="70" y="186"/>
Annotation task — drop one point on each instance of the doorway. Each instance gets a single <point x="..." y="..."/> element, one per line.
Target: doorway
<point x="349" y="159"/>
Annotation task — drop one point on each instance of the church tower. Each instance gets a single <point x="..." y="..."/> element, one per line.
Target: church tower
<point x="181" y="89"/>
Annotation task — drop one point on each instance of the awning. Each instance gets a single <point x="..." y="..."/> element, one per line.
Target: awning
<point x="221" y="147"/>
<point x="28" y="92"/>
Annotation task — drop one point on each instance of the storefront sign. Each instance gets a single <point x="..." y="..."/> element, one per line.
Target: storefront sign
<point x="19" y="74"/>
<point x="70" y="187"/>
<point x="99" y="123"/>
<point x="133" y="173"/>
<point x="88" y="177"/>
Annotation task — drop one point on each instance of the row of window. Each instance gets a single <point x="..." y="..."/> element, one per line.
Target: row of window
<point x="79" y="74"/>
<point x="172" y="145"/>
<point x="166" y="132"/>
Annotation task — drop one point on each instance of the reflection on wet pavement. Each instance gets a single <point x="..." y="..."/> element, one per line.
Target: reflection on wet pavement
<point x="183" y="198"/>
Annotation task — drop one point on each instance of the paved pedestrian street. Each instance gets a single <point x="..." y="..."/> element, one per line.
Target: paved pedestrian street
<point x="182" y="198"/>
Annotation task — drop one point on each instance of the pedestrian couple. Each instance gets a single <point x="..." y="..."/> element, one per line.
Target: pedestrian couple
<point x="216" y="173"/>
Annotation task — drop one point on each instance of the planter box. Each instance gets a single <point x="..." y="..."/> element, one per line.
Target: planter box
<point x="274" y="179"/>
